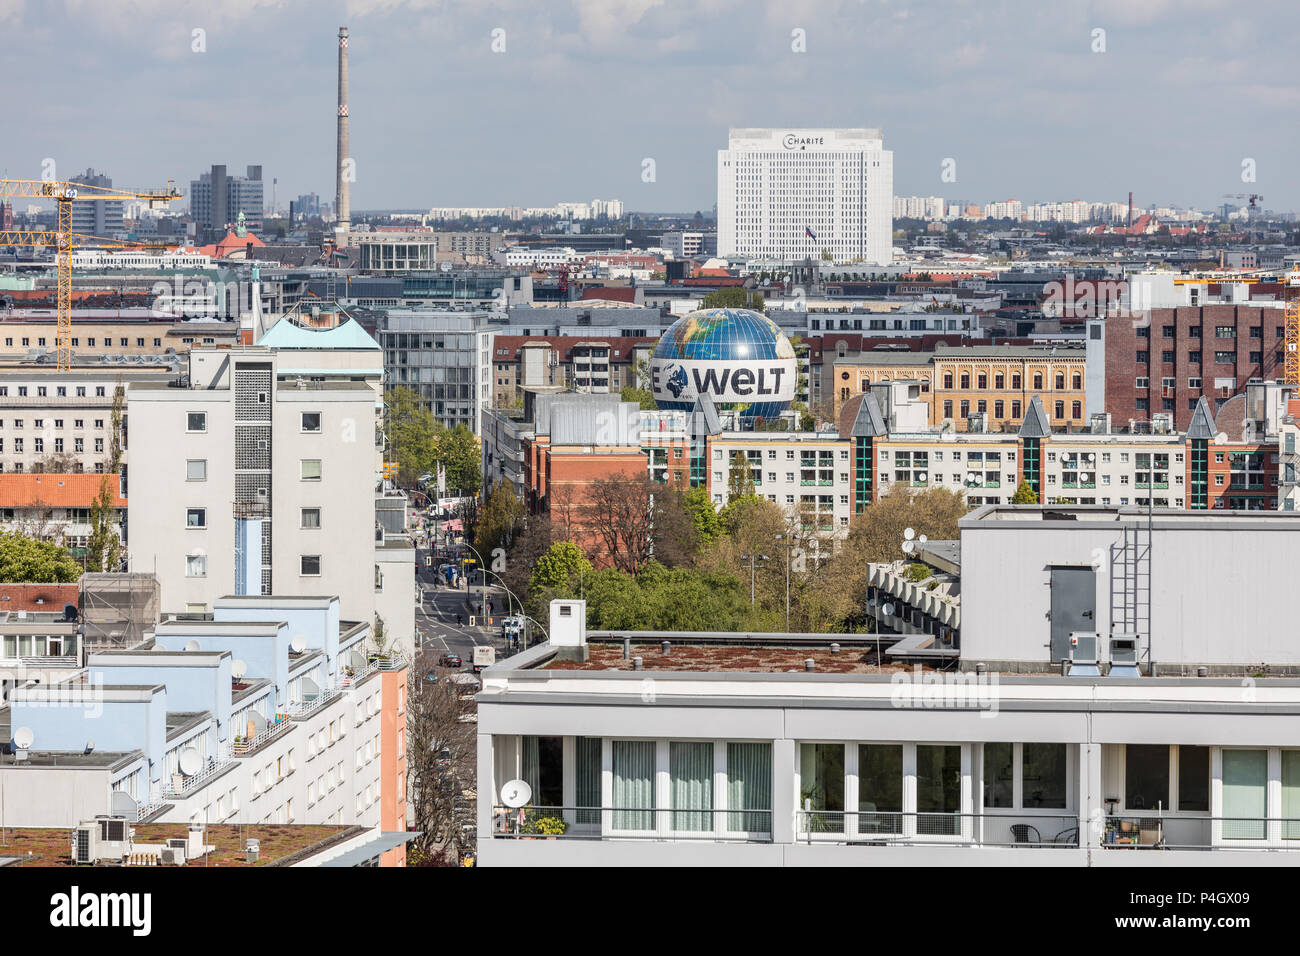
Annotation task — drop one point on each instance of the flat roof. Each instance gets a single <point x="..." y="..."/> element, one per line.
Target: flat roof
<point x="277" y="843"/>
<point x="731" y="659"/>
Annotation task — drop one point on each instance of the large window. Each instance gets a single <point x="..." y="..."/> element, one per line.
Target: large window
<point x="196" y="566"/>
<point x="587" y="779"/>
<point x="690" y="774"/>
<point x="196" y="517"/>
<point x="1194" y="778"/>
<point x="311" y="421"/>
<point x="1044" y="776"/>
<point x="196" y="469"/>
<point x="938" y="789"/>
<point x="880" y="788"/>
<point x="1245" y="794"/>
<point x="821" y="789"/>
<point x="633" y="766"/>
<point x="1291" y="795"/>
<point x="749" y="788"/>
<point x="310" y="565"/>
<point x="196" y="421"/>
<point x="543" y="770"/>
<point x="1146" y="777"/>
<point x="310" y="469"/>
<point x="1159" y="777"/>
<point x="311" y="517"/>
<point x="999" y="775"/>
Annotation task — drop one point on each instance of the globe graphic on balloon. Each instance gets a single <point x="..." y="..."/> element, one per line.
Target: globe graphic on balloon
<point x="739" y="357"/>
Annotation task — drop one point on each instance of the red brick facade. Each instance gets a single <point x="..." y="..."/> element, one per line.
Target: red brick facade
<point x="1171" y="342"/>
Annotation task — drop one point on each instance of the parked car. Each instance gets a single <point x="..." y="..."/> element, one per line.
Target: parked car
<point x="450" y="660"/>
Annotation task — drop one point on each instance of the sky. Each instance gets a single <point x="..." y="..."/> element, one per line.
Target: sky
<point x="505" y="102"/>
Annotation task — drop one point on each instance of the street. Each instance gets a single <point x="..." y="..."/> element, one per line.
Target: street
<point x="436" y="613"/>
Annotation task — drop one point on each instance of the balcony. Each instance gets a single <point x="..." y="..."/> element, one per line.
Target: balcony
<point x="631" y="823"/>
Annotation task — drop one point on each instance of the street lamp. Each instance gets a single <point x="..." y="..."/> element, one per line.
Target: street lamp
<point x="753" y="560"/>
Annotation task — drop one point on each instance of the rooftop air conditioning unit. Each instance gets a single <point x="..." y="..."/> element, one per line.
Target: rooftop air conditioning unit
<point x="1124" y="655"/>
<point x="85" y="844"/>
<point x="1083" y="654"/>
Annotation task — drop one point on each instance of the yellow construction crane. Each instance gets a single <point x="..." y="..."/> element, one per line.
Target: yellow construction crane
<point x="1291" y="311"/>
<point x="64" y="240"/>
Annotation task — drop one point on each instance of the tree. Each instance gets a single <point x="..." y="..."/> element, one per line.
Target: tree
<point x="561" y="568"/>
<point x="24" y="560"/>
<point x="740" y="478"/>
<point x="877" y="533"/>
<point x="458" y="451"/>
<point x="704" y="517"/>
<point x="1024" y="494"/>
<point x="104" y="547"/>
<point x="441" y="752"/>
<point x="499" y="520"/>
<point x="412" y="433"/>
<point x="642" y="396"/>
<point x="631" y="518"/>
<point x="734" y="297"/>
<point x="115" y="440"/>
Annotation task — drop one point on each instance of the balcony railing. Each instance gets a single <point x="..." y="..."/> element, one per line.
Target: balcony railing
<point x="962" y="829"/>
<point x="631" y="823"/>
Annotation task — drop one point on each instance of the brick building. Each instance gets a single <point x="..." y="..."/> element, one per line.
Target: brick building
<point x="1184" y="353"/>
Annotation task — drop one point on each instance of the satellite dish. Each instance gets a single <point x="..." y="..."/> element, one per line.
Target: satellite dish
<point x="190" y="762"/>
<point x="238" y="669"/>
<point x="909" y="534"/>
<point x="445" y="266"/>
<point x="90" y="746"/>
<point x="24" y="738"/>
<point x="889" y="610"/>
<point x="920" y="477"/>
<point x="923" y="539"/>
<point x="516" y="793"/>
<point x="298" y="645"/>
<point x="192" y="645"/>
<point x="908" y="547"/>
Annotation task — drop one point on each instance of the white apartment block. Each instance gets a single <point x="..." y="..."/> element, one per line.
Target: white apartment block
<point x="261" y="478"/>
<point x="796" y="193"/>
<point x="63" y="421"/>
<point x="810" y="474"/>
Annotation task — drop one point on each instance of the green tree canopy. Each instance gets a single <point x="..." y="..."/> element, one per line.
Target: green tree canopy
<point x="412" y="433"/>
<point x="704" y="517"/>
<point x="1024" y="494"/>
<point x="457" y="450"/>
<point x="23" y="560"/>
<point x="561" y="569"/>
<point x="734" y="297"/>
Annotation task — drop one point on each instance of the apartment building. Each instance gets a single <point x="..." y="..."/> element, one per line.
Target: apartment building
<point x="992" y="381"/>
<point x="103" y="334"/>
<point x="1181" y="340"/>
<point x="655" y="756"/>
<point x="598" y="365"/>
<point x="63" y="421"/>
<point x="270" y="710"/>
<point x="261" y="477"/>
<point x="810" y="474"/>
<point x="57" y="507"/>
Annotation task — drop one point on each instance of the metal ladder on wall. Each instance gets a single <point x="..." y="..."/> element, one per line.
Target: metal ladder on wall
<point x="1130" y="583"/>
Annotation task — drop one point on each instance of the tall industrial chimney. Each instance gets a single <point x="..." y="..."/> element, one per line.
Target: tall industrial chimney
<point x="342" y="199"/>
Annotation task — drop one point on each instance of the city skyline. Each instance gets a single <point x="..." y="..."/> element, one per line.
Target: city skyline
<point x="611" y="85"/>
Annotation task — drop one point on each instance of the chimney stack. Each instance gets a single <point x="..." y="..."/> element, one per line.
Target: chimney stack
<point x="342" y="199"/>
